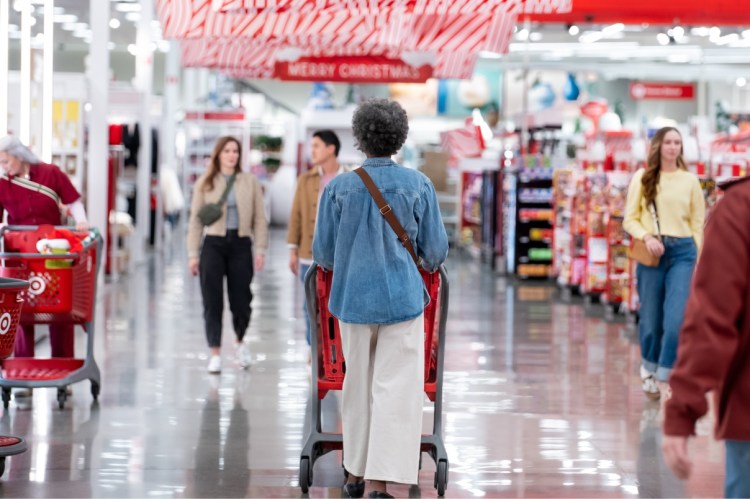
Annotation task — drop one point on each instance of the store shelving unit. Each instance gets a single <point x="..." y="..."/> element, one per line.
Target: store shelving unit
<point x="68" y="139"/>
<point x="534" y="219"/>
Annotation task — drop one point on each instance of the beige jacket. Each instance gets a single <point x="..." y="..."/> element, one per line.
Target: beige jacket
<point x="305" y="211"/>
<point x="250" y="210"/>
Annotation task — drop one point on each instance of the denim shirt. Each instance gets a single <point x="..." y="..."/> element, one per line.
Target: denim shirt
<point x="375" y="280"/>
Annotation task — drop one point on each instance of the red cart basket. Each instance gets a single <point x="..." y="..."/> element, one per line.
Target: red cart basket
<point x="329" y="366"/>
<point x="62" y="290"/>
<point x="11" y="302"/>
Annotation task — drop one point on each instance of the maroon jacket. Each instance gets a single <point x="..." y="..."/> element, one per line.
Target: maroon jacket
<point x="714" y="348"/>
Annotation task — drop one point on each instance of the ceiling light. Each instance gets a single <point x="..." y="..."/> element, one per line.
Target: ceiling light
<point x="746" y="33"/>
<point x="58" y="11"/>
<point x="715" y="31"/>
<point x="69" y="27"/>
<point x="39" y="38"/>
<point x="591" y="37"/>
<point x="741" y="82"/>
<point x="164" y="46"/>
<point x="662" y="38"/>
<point x="612" y="29"/>
<point x="535" y="37"/>
<point x="574" y="30"/>
<point x="132" y="49"/>
<point x="114" y="23"/>
<point x="65" y="18"/>
<point x="128" y="7"/>
<point x="523" y="35"/>
<point x="726" y="39"/>
<point x="678" y="32"/>
<point x="133" y="16"/>
<point x="702" y="31"/>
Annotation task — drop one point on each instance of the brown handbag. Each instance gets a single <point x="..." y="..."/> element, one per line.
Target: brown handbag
<point x="638" y="250"/>
<point x="387" y="212"/>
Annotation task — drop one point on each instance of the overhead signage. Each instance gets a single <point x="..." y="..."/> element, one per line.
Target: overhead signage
<point x="669" y="91"/>
<point x="351" y="69"/>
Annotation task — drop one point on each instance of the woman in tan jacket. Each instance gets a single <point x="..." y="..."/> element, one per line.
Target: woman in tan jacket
<point x="227" y="248"/>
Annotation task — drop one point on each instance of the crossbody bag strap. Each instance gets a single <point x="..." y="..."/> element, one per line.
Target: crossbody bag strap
<point x="387" y="212"/>
<point x="33" y="186"/>
<point x="655" y="216"/>
<point x="225" y="194"/>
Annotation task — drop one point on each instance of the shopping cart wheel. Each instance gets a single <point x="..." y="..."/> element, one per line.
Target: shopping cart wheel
<point x="441" y="477"/>
<point x="95" y="390"/>
<point x="305" y="474"/>
<point x="6" y="398"/>
<point x="2" y="465"/>
<point x="61" y="398"/>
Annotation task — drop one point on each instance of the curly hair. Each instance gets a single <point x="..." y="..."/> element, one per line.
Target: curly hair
<point x="380" y="127"/>
<point x="650" y="179"/>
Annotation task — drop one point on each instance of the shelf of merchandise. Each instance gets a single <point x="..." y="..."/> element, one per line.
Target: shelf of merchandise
<point x="68" y="140"/>
<point x="534" y="219"/>
<point x="201" y="130"/>
<point x="563" y="183"/>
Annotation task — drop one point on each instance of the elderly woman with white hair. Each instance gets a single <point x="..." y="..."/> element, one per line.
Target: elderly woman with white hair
<point x="32" y="193"/>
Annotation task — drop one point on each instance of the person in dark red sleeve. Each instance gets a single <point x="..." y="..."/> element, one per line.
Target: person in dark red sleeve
<point x="714" y="348"/>
<point x="33" y="193"/>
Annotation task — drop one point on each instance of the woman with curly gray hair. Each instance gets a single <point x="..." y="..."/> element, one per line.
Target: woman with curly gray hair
<point x="378" y="297"/>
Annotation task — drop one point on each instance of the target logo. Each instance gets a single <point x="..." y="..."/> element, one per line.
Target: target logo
<point x="37" y="285"/>
<point x="5" y="321"/>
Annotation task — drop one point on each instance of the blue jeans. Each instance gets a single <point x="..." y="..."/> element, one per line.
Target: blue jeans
<point x="663" y="292"/>
<point x="303" y="268"/>
<point x="737" y="482"/>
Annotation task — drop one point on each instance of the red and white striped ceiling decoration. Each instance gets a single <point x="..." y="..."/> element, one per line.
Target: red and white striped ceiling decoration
<point x="250" y="35"/>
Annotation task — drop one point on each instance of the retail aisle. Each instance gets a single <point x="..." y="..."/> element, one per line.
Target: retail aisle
<point x="541" y="399"/>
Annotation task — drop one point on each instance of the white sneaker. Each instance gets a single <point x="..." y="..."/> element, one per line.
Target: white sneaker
<point x="214" y="365"/>
<point x="244" y="359"/>
<point x="649" y="385"/>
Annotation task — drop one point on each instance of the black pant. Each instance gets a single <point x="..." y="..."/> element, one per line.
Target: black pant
<point x="230" y="256"/>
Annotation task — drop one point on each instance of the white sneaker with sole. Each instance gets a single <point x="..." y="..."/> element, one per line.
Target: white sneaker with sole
<point x="244" y="359"/>
<point x="649" y="385"/>
<point x="214" y="365"/>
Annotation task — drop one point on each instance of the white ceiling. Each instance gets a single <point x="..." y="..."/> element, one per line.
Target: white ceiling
<point x="73" y="23"/>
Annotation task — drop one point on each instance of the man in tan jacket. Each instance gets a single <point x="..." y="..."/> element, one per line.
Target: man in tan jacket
<point x="324" y="151"/>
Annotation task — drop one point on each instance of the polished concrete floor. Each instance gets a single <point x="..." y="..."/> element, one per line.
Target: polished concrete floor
<point x="542" y="399"/>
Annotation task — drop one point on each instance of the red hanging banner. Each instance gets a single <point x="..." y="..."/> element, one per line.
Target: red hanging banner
<point x="670" y="91"/>
<point x="351" y="69"/>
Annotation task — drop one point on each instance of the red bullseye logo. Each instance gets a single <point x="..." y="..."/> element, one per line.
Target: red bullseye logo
<point x="5" y="321"/>
<point x="37" y="285"/>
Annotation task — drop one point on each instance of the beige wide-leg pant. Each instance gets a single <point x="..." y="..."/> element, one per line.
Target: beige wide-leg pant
<point x="382" y="399"/>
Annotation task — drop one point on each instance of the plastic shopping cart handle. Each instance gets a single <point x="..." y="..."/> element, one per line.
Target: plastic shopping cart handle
<point x="9" y="283"/>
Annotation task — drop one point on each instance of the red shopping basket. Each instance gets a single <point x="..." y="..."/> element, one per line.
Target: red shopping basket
<point x="10" y="312"/>
<point x="332" y="369"/>
<point x="61" y="287"/>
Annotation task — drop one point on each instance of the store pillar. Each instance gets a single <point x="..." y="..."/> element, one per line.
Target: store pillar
<point x="98" y="146"/>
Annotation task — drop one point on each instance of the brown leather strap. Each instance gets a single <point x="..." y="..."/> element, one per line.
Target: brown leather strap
<point x="387" y="212"/>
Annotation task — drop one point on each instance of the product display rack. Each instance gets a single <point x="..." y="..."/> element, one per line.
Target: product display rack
<point x="534" y="218"/>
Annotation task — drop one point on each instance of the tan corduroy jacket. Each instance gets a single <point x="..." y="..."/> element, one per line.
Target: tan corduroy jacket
<point x="250" y="210"/>
<point x="304" y="212"/>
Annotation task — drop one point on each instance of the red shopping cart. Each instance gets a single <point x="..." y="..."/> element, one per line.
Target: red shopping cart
<point x="62" y="290"/>
<point x="329" y="366"/>
<point x="10" y="312"/>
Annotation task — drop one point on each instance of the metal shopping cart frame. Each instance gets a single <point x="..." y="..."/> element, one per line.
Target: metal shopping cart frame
<point x="319" y="443"/>
<point x="54" y="373"/>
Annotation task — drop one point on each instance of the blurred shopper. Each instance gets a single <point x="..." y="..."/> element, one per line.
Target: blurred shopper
<point x="664" y="192"/>
<point x="714" y="353"/>
<point x="36" y="193"/>
<point x="227" y="248"/>
<point x="324" y="149"/>
<point x="378" y="297"/>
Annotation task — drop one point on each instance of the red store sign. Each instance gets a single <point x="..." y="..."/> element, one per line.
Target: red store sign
<point x="351" y="69"/>
<point x="645" y="91"/>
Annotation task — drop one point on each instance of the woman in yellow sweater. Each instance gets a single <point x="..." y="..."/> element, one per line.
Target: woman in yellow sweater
<point x="663" y="290"/>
